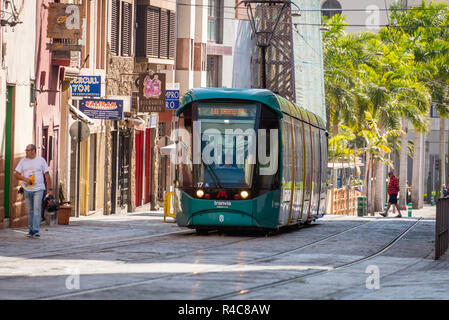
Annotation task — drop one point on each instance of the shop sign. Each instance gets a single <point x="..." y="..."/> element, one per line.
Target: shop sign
<point x="65" y="21"/>
<point x="86" y="86"/>
<point x="152" y="92"/>
<point x="102" y="108"/>
<point x="153" y="121"/>
<point x="172" y="99"/>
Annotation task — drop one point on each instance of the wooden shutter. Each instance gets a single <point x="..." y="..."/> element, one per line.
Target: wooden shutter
<point x="172" y="36"/>
<point x="115" y="26"/>
<point x="152" y="29"/>
<point x="163" y="51"/>
<point x="126" y="29"/>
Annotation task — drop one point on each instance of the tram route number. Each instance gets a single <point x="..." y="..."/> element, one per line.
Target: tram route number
<point x="225" y="310"/>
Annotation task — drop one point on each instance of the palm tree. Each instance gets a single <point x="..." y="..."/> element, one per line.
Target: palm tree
<point x="376" y="147"/>
<point x="426" y="30"/>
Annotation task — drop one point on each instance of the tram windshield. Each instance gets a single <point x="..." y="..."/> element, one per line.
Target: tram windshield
<point x="228" y="145"/>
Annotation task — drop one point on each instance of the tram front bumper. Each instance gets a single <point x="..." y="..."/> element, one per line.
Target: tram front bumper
<point x="259" y="212"/>
<point x="222" y="218"/>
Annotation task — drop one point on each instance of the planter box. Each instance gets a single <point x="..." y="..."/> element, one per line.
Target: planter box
<point x="64" y="214"/>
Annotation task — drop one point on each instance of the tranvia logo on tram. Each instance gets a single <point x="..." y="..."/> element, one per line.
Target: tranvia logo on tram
<point x="222" y="204"/>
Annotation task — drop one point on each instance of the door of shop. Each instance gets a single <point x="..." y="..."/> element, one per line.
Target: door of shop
<point x="123" y="179"/>
<point x="148" y="158"/>
<point x="139" y="166"/>
<point x="8" y="151"/>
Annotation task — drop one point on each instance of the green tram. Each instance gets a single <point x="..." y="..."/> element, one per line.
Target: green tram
<point x="248" y="158"/>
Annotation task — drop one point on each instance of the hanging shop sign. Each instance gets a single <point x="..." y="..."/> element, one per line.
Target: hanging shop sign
<point x="102" y="109"/>
<point x="86" y="86"/>
<point x="152" y="92"/>
<point x="172" y="99"/>
<point x="65" y="21"/>
<point x="152" y="122"/>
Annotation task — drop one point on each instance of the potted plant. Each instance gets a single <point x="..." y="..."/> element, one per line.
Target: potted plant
<point x="65" y="209"/>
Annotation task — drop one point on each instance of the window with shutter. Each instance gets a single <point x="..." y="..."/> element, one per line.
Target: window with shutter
<point x="163" y="49"/>
<point x="172" y="36"/>
<point x="126" y="29"/>
<point x="115" y="26"/>
<point x="152" y="35"/>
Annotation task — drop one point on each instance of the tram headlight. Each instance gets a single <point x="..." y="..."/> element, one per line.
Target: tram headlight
<point x="199" y="193"/>
<point x="244" y="194"/>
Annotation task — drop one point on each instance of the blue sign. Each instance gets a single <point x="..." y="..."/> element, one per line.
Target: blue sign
<point x="86" y="86"/>
<point x="102" y="109"/>
<point x="171" y="99"/>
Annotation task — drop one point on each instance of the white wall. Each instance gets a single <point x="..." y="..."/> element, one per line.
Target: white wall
<point x="2" y="111"/>
<point x="19" y="64"/>
<point x="229" y="36"/>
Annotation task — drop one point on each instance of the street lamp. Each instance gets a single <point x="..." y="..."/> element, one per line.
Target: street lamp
<point x="263" y="28"/>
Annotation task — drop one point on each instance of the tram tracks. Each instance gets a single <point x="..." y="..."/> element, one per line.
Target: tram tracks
<point x="212" y="269"/>
<point x="264" y="286"/>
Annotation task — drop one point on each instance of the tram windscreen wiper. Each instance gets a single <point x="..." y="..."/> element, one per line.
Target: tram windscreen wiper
<point x="213" y="175"/>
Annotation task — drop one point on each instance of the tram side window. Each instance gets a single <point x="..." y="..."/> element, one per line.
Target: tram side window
<point x="308" y="173"/>
<point x="323" y="190"/>
<point x="316" y="166"/>
<point x="268" y="173"/>
<point x="287" y="156"/>
<point x="324" y="146"/>
<point x="184" y="150"/>
<point x="299" y="158"/>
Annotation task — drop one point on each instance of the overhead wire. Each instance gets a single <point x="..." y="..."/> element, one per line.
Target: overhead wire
<point x="368" y="26"/>
<point x="321" y="10"/>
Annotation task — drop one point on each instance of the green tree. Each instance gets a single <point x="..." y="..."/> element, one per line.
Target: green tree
<point x="426" y="27"/>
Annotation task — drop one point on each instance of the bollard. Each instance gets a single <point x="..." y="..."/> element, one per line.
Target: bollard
<point x="432" y="200"/>
<point x="410" y="209"/>
<point x="385" y="208"/>
<point x="168" y="198"/>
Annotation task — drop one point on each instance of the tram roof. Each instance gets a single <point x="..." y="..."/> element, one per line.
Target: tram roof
<point x="267" y="97"/>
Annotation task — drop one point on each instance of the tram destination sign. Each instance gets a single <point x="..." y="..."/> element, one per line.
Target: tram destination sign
<point x="86" y="86"/>
<point x="227" y="110"/>
<point x="152" y="92"/>
<point x="102" y="109"/>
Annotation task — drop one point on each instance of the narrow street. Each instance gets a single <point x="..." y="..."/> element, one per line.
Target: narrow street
<point x="138" y="256"/>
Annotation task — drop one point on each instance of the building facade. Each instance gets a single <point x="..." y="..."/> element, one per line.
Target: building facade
<point x="17" y="104"/>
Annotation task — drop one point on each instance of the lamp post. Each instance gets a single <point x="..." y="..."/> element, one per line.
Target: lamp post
<point x="263" y="28"/>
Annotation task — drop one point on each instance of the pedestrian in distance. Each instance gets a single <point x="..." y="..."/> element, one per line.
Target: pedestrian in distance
<point x="32" y="170"/>
<point x="444" y="192"/>
<point x="409" y="193"/>
<point x="393" y="190"/>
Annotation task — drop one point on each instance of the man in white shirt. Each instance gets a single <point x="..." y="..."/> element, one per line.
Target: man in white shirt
<point x="32" y="170"/>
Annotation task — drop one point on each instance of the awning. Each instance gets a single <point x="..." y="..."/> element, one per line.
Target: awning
<point x="167" y="150"/>
<point x="79" y="115"/>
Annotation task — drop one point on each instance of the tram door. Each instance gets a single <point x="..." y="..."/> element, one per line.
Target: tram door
<point x="123" y="179"/>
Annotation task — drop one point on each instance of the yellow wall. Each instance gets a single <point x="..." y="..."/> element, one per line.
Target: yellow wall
<point x="100" y="190"/>
<point x="84" y="181"/>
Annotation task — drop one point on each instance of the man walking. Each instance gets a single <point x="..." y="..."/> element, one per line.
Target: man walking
<point x="32" y="170"/>
<point x="393" y="190"/>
